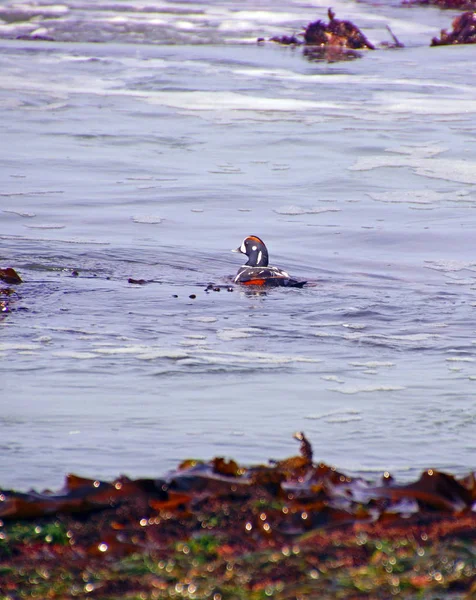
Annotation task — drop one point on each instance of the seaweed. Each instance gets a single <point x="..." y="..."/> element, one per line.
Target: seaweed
<point x="287" y="529"/>
<point x="464" y="31"/>
<point x="332" y="41"/>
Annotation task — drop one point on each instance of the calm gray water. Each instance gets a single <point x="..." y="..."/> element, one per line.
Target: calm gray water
<point x="147" y="141"/>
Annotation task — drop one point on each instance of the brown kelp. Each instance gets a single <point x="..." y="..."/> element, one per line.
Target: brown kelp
<point x="293" y="528"/>
<point x="335" y="40"/>
<point x="11" y="277"/>
<point x="464" y="31"/>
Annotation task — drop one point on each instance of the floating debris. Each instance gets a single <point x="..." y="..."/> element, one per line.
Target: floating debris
<point x="336" y="33"/>
<point x="212" y="287"/>
<point x="464" y="31"/>
<point x="332" y="41"/>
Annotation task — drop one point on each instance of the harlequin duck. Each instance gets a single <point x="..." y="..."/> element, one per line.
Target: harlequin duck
<point x="256" y="271"/>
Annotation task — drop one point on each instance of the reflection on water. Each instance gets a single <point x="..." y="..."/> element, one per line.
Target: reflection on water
<point x="149" y="162"/>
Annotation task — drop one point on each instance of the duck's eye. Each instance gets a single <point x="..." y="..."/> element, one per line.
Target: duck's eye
<point x="254" y="248"/>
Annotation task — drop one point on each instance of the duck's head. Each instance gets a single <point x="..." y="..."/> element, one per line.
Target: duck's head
<point x="255" y="250"/>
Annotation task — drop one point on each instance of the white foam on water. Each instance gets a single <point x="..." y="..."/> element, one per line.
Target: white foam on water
<point x="344" y="419"/>
<point x="116" y="350"/>
<point x="408" y="196"/>
<point x="301" y="210"/>
<point x="26" y="215"/>
<point x="356" y="389"/>
<point x="228" y="101"/>
<point x="236" y="334"/>
<point x="148" y="220"/>
<point x="203" y="319"/>
<point x="460" y="171"/>
<point x="408" y="338"/>
<point x="373" y="364"/>
<point x="253" y="357"/>
<point x="45" y="226"/>
<point x="425" y="104"/>
<point x="192" y="343"/>
<point x="74" y="355"/>
<point x="265" y="16"/>
<point x="403" y="339"/>
<point x="50" y="10"/>
<point x="6" y="346"/>
<point x="332" y="378"/>
<point x="154" y="354"/>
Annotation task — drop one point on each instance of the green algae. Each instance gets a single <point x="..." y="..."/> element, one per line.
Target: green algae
<point x="222" y="532"/>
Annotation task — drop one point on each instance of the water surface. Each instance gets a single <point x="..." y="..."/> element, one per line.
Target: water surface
<point x="132" y="148"/>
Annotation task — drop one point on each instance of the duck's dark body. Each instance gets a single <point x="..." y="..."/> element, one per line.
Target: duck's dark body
<point x="256" y="270"/>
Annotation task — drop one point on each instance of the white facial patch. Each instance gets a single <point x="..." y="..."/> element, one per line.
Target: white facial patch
<point x="254" y="248"/>
<point x="260" y="256"/>
<point x="243" y="247"/>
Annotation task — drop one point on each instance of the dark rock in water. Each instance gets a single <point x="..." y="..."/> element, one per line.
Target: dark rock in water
<point x="464" y="31"/>
<point x="137" y="281"/>
<point x="9" y="275"/>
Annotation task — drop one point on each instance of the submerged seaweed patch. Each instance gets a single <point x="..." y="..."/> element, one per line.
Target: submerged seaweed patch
<point x="290" y="529"/>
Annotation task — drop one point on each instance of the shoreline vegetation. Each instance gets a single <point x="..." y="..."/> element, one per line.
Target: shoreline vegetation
<point x="292" y="528"/>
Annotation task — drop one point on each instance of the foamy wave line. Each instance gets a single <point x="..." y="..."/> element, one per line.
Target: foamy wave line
<point x="367" y="389"/>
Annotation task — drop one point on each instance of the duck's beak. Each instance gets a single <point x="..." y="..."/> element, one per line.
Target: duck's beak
<point x="238" y="250"/>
